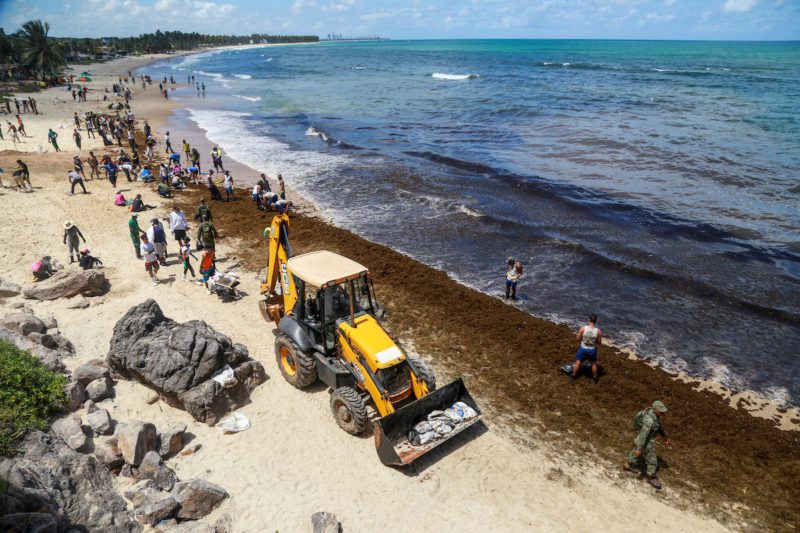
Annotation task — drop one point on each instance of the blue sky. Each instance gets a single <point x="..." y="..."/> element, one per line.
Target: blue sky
<point x="420" y="19"/>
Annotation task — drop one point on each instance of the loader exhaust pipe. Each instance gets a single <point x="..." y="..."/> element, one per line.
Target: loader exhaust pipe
<point x="391" y="431"/>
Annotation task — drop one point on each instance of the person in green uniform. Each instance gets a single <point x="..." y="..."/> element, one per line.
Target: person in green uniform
<point x="207" y="233"/>
<point x="202" y="211"/>
<point x="133" y="225"/>
<point x="648" y="423"/>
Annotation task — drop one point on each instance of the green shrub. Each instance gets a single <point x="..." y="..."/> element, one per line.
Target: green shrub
<point x="29" y="394"/>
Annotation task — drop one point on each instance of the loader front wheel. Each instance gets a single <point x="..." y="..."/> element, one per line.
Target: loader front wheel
<point x="349" y="410"/>
<point x="424" y="373"/>
<point x="296" y="366"/>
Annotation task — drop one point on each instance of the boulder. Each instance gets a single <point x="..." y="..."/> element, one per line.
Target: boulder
<point x="170" y="441"/>
<point x="186" y="527"/>
<point x="51" y="322"/>
<point x="90" y="406"/>
<point x="189" y="450"/>
<point x="100" y="422"/>
<point x="79" y="303"/>
<point x="69" y="283"/>
<point x="8" y="289"/>
<point x="100" y="389"/>
<point x="325" y="523"/>
<point x="108" y="454"/>
<point x="156" y="507"/>
<point x="29" y="523"/>
<point x="135" y="440"/>
<point x="196" y="498"/>
<point x="90" y="371"/>
<point x="24" y="323"/>
<point x="138" y="493"/>
<point x="153" y="467"/>
<point x="74" y="488"/>
<point x="76" y="395"/>
<point x="69" y="428"/>
<point x="178" y="360"/>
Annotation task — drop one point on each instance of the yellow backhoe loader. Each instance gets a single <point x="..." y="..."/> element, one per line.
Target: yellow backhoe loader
<point x="325" y="308"/>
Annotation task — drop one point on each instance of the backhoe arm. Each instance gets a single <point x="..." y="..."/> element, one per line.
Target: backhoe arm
<point x="277" y="271"/>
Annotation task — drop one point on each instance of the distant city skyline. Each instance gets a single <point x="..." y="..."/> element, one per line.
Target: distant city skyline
<point x="420" y="19"/>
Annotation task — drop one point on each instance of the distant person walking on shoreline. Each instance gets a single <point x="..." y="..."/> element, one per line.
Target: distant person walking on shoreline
<point x="513" y="275"/>
<point x="167" y="142"/>
<point x="591" y="337"/>
<point x="648" y="423"/>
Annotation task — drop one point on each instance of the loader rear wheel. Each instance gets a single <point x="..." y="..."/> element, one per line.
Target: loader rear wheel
<point x="349" y="410"/>
<point x="424" y="372"/>
<point x="296" y="366"/>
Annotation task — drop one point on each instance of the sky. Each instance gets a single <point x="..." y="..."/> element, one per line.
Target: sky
<point x="420" y="19"/>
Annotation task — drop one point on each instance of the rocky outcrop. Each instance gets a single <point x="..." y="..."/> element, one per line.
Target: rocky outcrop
<point x="153" y="467"/>
<point x="196" y="498"/>
<point x="69" y="283"/>
<point x="8" y="289"/>
<point x="73" y="488"/>
<point x="170" y="441"/>
<point x="27" y="332"/>
<point x="325" y="523"/>
<point x="134" y="440"/>
<point x="90" y="371"/>
<point x="71" y="430"/>
<point x="178" y="360"/>
<point x="100" y="422"/>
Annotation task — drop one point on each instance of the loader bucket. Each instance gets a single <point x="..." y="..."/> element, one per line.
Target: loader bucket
<point x="391" y="431"/>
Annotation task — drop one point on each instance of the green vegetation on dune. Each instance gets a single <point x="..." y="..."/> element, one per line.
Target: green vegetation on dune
<point x="30" y="394"/>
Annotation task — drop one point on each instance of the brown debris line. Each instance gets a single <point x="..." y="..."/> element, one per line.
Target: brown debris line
<point x="720" y="456"/>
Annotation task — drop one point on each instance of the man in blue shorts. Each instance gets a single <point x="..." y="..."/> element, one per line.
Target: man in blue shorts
<point x="591" y="337"/>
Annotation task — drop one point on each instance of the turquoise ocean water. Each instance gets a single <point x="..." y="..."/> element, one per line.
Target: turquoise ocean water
<point x="653" y="183"/>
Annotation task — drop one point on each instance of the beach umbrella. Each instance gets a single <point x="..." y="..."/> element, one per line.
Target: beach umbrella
<point x="84" y="78"/>
<point x="85" y="73"/>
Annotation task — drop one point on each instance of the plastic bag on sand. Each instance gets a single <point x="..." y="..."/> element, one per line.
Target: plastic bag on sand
<point x="40" y="149"/>
<point x="224" y="376"/>
<point x="235" y="423"/>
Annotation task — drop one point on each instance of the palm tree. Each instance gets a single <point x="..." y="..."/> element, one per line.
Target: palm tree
<point x="41" y="54"/>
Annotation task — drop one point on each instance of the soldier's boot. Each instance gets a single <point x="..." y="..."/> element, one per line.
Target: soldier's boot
<point x="630" y="468"/>
<point x="655" y="482"/>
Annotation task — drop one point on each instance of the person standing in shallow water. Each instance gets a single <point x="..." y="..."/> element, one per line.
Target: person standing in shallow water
<point x="513" y="275"/>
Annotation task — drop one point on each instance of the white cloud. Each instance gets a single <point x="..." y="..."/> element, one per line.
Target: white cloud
<point x="657" y="17"/>
<point x="739" y="6"/>
<point x="299" y="5"/>
<point x="669" y="3"/>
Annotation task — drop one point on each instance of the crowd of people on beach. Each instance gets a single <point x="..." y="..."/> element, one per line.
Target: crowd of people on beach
<point x="172" y="171"/>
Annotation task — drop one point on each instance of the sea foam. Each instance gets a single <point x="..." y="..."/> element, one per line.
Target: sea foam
<point x="243" y="76"/>
<point x="453" y="77"/>
<point x="250" y="98"/>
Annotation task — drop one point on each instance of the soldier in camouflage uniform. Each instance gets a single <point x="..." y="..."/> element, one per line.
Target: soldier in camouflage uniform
<point x="648" y="424"/>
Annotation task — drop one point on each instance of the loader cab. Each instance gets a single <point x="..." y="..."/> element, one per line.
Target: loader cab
<point x="330" y="289"/>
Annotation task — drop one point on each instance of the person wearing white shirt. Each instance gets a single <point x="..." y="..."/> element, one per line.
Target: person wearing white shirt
<point x="148" y="252"/>
<point x="178" y="225"/>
